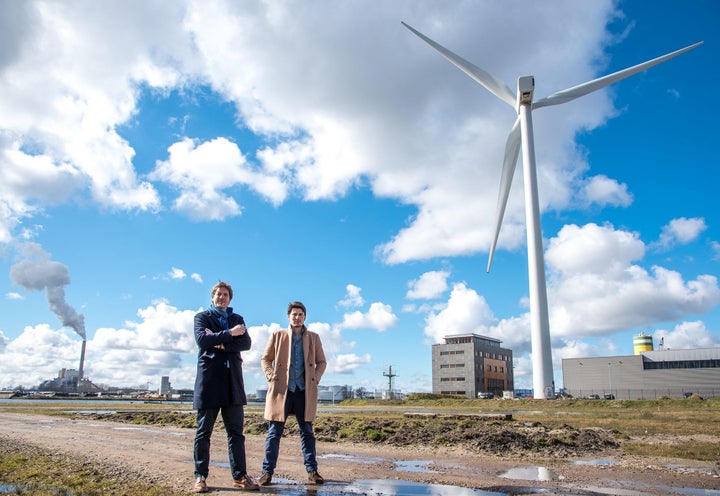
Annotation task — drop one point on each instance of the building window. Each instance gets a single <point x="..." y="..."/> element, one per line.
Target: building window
<point x="682" y="364"/>
<point x="452" y="379"/>
<point x="454" y="352"/>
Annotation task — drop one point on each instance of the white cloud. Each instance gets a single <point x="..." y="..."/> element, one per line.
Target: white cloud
<point x="324" y="93"/>
<point x="602" y="190"/>
<point x="37" y="354"/>
<point x="379" y="316"/>
<point x="352" y="297"/>
<point x="681" y="231"/>
<point x="202" y="194"/>
<point x="346" y="363"/>
<point x="196" y="277"/>
<point x="63" y="118"/>
<point x="686" y="335"/>
<point x="14" y="296"/>
<point x="428" y="286"/>
<point x="176" y="273"/>
<point x="595" y="289"/>
<point x="593" y="249"/>
<point x="466" y="312"/>
<point x="716" y="250"/>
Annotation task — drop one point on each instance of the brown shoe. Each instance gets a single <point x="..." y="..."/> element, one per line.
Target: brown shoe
<point x="200" y="486"/>
<point x="246" y="483"/>
<point x="315" y="478"/>
<point x="265" y="479"/>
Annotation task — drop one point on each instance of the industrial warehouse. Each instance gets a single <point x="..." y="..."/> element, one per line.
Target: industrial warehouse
<point x="648" y="374"/>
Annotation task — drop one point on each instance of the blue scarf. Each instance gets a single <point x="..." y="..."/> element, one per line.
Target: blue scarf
<point x="222" y="315"/>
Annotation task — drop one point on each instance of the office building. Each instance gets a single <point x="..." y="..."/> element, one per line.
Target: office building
<point x="470" y="365"/>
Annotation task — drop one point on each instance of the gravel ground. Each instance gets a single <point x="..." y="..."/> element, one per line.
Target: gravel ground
<point x="162" y="455"/>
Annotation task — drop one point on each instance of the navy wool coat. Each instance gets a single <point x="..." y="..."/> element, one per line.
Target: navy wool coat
<point x="219" y="379"/>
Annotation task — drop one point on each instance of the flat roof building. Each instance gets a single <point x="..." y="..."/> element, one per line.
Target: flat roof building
<point x="645" y="375"/>
<point x="468" y="364"/>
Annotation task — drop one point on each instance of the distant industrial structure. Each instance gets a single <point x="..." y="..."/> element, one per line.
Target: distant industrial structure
<point x="165" y="386"/>
<point x="471" y="365"/>
<point x="69" y="381"/>
<point x="647" y="374"/>
<point x="337" y="393"/>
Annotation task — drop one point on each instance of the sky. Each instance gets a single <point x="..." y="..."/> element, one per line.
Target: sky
<point x="321" y="152"/>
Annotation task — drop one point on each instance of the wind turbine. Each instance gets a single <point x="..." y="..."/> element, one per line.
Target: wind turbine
<point x="521" y="134"/>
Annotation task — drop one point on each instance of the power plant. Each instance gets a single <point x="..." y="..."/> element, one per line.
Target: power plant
<point x="71" y="380"/>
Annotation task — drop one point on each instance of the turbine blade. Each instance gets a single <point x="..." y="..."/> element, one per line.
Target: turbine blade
<point x="512" y="150"/>
<point x="494" y="86"/>
<point x="599" y="83"/>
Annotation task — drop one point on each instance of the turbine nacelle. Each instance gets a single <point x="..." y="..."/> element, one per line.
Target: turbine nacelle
<point x="526" y="88"/>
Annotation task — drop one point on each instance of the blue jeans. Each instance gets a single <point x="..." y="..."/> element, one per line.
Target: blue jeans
<point x="294" y="403"/>
<point x="233" y="417"/>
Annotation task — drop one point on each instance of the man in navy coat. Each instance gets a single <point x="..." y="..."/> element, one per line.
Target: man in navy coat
<point x="220" y="335"/>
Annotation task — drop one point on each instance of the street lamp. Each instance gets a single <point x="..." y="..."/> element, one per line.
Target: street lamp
<point x="610" y="375"/>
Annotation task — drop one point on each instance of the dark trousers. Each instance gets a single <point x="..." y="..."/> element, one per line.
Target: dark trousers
<point x="294" y="403"/>
<point x="233" y="417"/>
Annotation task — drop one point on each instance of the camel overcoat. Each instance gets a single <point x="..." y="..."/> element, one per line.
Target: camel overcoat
<point x="276" y="366"/>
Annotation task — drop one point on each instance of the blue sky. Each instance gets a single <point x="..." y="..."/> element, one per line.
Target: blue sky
<point x="321" y="152"/>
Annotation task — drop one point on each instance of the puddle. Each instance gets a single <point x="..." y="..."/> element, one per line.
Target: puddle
<point x="354" y="459"/>
<point x="593" y="462"/>
<point x="531" y="474"/>
<point x="400" y="466"/>
<point x="691" y="491"/>
<point x="614" y="491"/>
<point x="381" y="487"/>
<point x="90" y="424"/>
<point x="414" y="466"/>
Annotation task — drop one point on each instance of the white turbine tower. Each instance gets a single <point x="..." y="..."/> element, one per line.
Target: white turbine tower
<point x="522" y="135"/>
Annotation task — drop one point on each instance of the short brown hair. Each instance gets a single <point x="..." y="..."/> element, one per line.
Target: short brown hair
<point x="219" y="285"/>
<point x="296" y="304"/>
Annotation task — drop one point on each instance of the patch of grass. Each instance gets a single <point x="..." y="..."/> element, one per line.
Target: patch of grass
<point x="689" y="450"/>
<point x="375" y="435"/>
<point x="30" y="470"/>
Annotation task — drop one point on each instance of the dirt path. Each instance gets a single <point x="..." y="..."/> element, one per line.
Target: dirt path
<point x="164" y="455"/>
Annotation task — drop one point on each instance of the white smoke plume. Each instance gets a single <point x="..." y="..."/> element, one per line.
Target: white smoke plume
<point x="38" y="272"/>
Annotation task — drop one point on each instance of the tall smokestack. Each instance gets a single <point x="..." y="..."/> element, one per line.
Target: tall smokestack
<point x="82" y="362"/>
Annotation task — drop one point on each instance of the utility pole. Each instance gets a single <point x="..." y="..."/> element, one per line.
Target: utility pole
<point x="389" y="374"/>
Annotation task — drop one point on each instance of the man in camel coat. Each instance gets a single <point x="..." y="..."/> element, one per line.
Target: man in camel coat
<point x="293" y="364"/>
